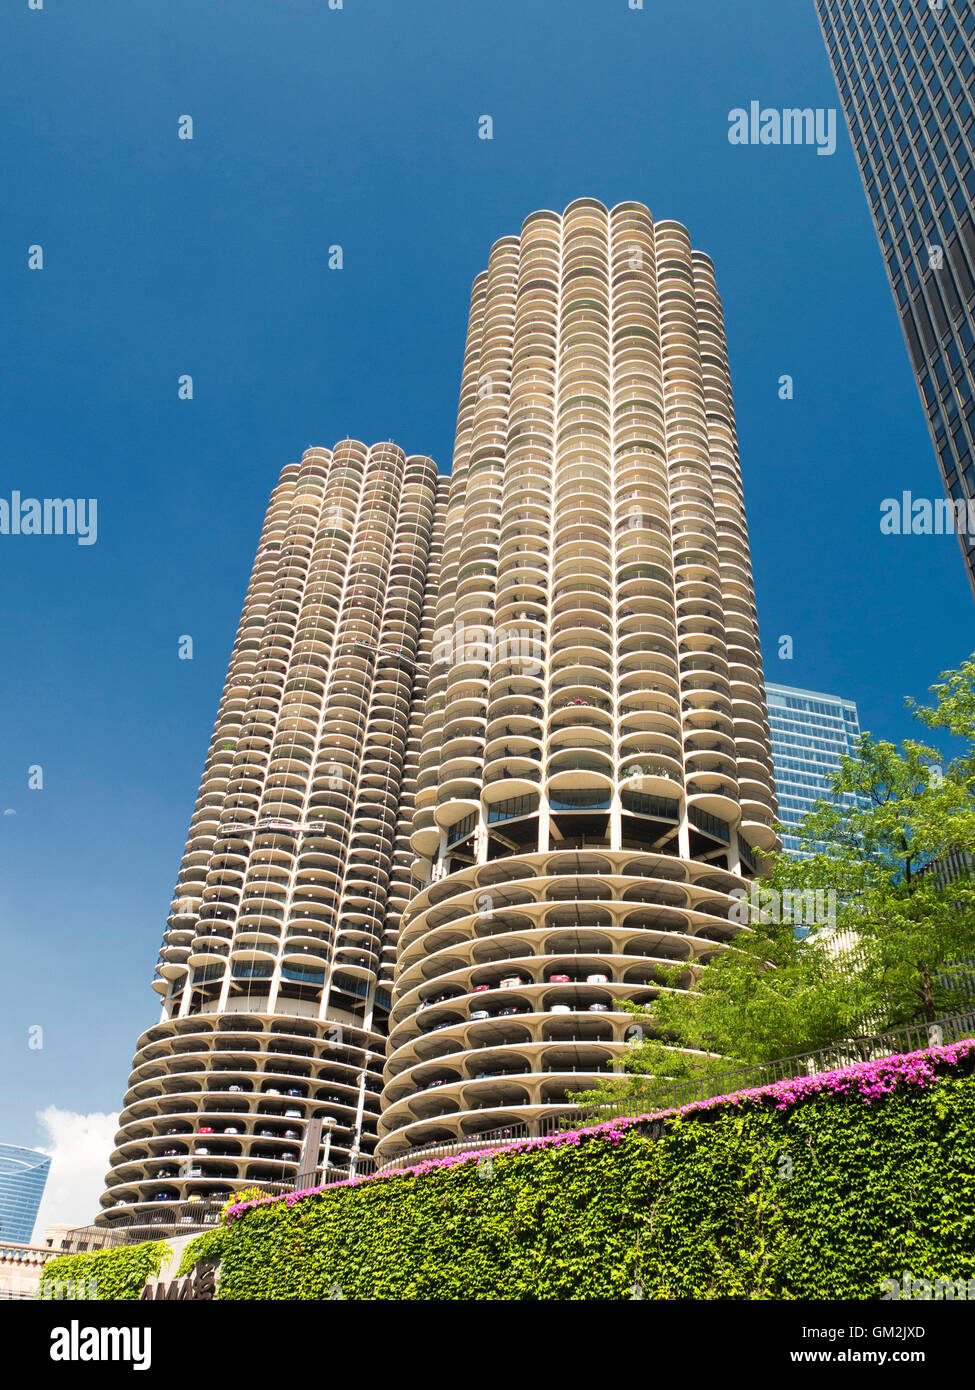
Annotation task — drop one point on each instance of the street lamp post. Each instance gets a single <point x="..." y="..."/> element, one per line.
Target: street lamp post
<point x="328" y="1124"/>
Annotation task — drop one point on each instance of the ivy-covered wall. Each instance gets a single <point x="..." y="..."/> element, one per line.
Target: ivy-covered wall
<point x="813" y="1189"/>
<point x="117" y="1273"/>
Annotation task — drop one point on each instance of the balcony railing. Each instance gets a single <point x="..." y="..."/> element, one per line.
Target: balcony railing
<point x="868" y="1048"/>
<point x="186" y="1218"/>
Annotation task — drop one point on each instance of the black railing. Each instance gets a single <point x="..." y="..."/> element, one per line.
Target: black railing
<point x="867" y="1048"/>
<point x="175" y="1219"/>
<point x="187" y="1218"/>
<point x="191" y="1218"/>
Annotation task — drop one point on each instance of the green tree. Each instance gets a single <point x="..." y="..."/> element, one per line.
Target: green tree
<point x="890" y="947"/>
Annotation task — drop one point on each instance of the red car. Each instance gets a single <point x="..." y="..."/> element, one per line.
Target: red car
<point x="480" y="989"/>
<point x="558" y="979"/>
<point x="205" y="1129"/>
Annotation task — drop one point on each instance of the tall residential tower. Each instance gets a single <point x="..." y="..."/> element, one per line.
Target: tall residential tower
<point x="493" y="753"/>
<point x="278" y="959"/>
<point x="904" y="70"/>
<point x="595" y="772"/>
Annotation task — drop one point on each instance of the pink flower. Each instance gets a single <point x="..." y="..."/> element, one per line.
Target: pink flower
<point x="869" y="1080"/>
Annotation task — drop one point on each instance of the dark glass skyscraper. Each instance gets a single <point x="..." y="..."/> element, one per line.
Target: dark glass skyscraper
<point x="904" y="70"/>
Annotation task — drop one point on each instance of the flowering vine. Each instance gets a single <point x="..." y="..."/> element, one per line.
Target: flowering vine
<point x="870" y="1081"/>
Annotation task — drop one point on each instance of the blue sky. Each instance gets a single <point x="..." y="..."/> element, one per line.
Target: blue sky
<point x="358" y="127"/>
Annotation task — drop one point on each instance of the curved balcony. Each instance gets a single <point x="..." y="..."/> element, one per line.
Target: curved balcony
<point x="512" y="973"/>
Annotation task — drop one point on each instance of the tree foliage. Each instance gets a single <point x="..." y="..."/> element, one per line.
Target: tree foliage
<point x="895" y="943"/>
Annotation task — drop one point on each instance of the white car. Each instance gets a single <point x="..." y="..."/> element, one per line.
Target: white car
<point x="560" y="1009"/>
<point x="512" y="982"/>
<point x="478" y="1014"/>
<point x="597" y="979"/>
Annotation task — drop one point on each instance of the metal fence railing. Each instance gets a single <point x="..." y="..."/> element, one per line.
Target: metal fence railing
<point x="175" y="1219"/>
<point x="867" y="1048"/>
<point x="192" y="1217"/>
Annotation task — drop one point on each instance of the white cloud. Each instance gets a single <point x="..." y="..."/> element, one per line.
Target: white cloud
<point x="79" y="1146"/>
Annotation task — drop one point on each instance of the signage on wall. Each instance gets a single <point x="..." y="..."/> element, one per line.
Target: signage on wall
<point x="199" y="1285"/>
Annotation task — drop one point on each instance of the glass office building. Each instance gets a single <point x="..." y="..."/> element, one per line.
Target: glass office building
<point x="904" y="70"/>
<point x="810" y="733"/>
<point x="23" y="1173"/>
